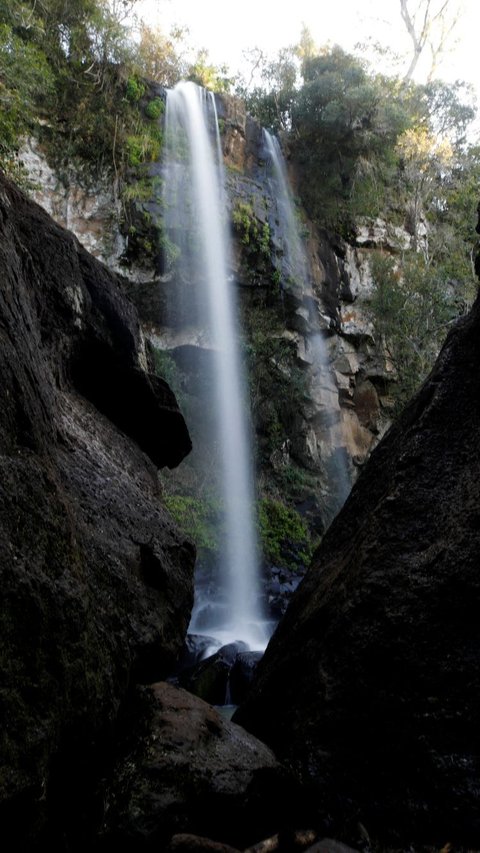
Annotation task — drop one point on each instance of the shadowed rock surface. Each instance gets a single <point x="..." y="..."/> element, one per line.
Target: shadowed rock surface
<point x="96" y="580"/>
<point x="185" y="769"/>
<point x="370" y="687"/>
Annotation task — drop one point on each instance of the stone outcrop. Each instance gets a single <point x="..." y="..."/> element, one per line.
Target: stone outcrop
<point x="327" y="436"/>
<point x="370" y="687"/>
<point x="96" y="579"/>
<point x="91" y="210"/>
<point x="346" y="406"/>
<point x="185" y="769"/>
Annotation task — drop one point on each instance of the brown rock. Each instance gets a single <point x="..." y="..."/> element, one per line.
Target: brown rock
<point x="187" y="843"/>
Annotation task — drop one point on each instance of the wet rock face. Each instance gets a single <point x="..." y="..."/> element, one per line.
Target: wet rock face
<point x="96" y="580"/>
<point x="371" y="685"/>
<point x="325" y="433"/>
<point x="185" y="769"/>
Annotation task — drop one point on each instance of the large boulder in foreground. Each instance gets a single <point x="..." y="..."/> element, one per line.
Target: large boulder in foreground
<point x="96" y="580"/>
<point x="185" y="769"/>
<point x="371" y="685"/>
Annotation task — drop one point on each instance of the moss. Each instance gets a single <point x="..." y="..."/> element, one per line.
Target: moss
<point x="285" y="538"/>
<point x="166" y="367"/>
<point x="134" y="90"/>
<point x="198" y="517"/>
<point x="154" y="109"/>
<point x="143" y="147"/>
<point x="243" y="220"/>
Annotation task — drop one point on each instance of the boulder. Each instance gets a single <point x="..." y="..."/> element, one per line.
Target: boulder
<point x="210" y="678"/>
<point x="186" y="770"/>
<point x="185" y="842"/>
<point x="97" y="581"/>
<point x="370" y="686"/>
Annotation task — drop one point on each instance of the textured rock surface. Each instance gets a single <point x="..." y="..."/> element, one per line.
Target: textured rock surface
<point x="371" y="684"/>
<point x="96" y="580"/>
<point x="327" y="438"/>
<point x="326" y="434"/>
<point x="92" y="212"/>
<point x="186" y="770"/>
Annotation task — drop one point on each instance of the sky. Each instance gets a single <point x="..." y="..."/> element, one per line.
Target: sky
<point x="229" y="29"/>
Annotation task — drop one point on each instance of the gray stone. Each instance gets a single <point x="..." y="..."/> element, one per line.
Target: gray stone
<point x="97" y="581"/>
<point x="191" y="771"/>
<point x="370" y="686"/>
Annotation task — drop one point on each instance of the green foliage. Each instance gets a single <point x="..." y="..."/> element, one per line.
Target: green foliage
<point x="170" y="251"/>
<point x="346" y="124"/>
<point x="159" y="57"/>
<point x="142" y="189"/>
<point x="134" y="90"/>
<point x="154" y="109"/>
<point x="144" y="146"/>
<point x="272" y="101"/>
<point x="244" y="220"/>
<point x="277" y="383"/>
<point x="197" y="517"/>
<point x="26" y="82"/>
<point x="343" y="124"/>
<point x="73" y="74"/>
<point x="166" y="367"/>
<point x="254" y="234"/>
<point x="412" y="307"/>
<point x="284" y="536"/>
<point x="210" y="76"/>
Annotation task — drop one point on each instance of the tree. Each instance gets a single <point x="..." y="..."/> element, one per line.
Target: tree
<point x="430" y="23"/>
<point x="412" y="307"/>
<point x="345" y="122"/>
<point x="210" y="76"/>
<point x="424" y="158"/>
<point x="160" y="57"/>
<point x="271" y="101"/>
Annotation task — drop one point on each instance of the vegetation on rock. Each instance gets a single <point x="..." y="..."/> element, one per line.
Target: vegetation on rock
<point x="362" y="144"/>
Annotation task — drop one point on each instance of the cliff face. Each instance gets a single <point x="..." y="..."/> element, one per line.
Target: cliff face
<point x="328" y="416"/>
<point x="96" y="579"/>
<point x="370" y="686"/>
<point x="343" y="407"/>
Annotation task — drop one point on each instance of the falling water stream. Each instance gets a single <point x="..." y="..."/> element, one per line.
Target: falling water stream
<point x="298" y="272"/>
<point x="195" y="221"/>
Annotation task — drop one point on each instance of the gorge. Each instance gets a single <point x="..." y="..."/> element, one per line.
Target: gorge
<point x="219" y="310"/>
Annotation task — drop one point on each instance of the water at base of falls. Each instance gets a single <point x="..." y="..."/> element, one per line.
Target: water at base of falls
<point x="229" y="610"/>
<point x="210" y="618"/>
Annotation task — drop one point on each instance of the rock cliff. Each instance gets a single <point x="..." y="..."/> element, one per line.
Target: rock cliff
<point x="370" y="687"/>
<point x="96" y="579"/>
<point x="327" y="418"/>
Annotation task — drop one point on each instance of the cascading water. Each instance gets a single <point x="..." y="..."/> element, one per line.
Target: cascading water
<point x="194" y="221"/>
<point x="297" y="272"/>
<point x="295" y="255"/>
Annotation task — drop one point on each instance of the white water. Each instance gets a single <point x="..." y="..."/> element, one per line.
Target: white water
<point x="295" y="254"/>
<point x="194" y="218"/>
<point x="297" y="268"/>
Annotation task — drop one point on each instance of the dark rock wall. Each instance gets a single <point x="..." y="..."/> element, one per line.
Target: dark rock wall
<point x="371" y="685"/>
<point x="96" y="580"/>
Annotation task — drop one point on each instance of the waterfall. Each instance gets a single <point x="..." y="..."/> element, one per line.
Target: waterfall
<point x="297" y="273"/>
<point x="295" y="256"/>
<point x="194" y="218"/>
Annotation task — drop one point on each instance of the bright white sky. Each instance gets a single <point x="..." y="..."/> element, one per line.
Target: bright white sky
<point x="229" y="28"/>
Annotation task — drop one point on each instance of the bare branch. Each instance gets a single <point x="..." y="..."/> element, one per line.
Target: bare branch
<point x="435" y="30"/>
